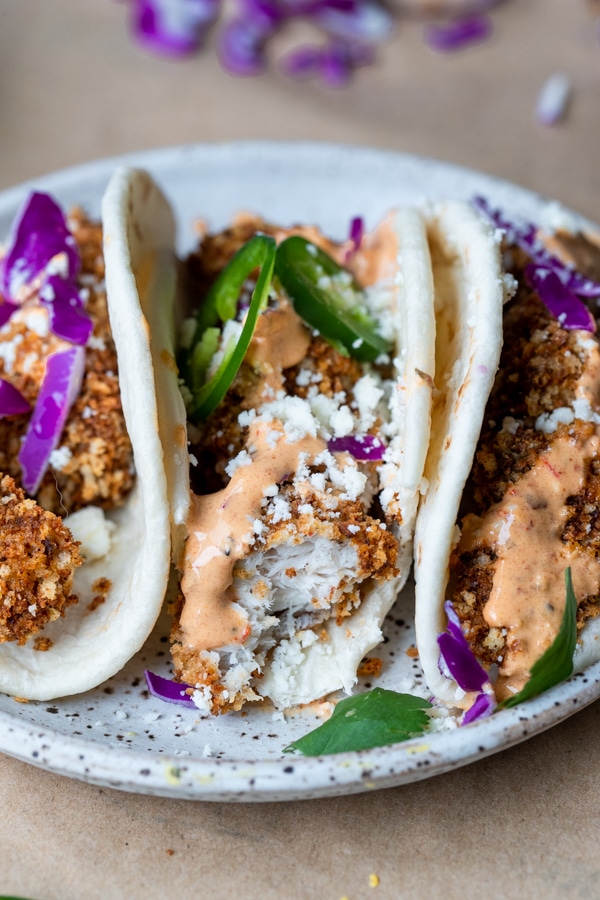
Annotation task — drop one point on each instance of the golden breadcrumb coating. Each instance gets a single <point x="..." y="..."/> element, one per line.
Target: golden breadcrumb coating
<point x="38" y="558"/>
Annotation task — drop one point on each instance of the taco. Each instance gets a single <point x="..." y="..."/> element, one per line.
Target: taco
<point x="530" y="459"/>
<point x="84" y="535"/>
<point x="307" y="372"/>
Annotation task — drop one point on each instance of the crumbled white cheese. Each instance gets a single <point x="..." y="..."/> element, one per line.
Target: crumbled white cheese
<point x="96" y="343"/>
<point x="33" y="609"/>
<point x="8" y="352"/>
<point x="342" y="422"/>
<point x="246" y="417"/>
<point x="549" y="422"/>
<point x="91" y="527"/>
<point x="242" y="459"/>
<point x="295" y="415"/>
<point x="36" y="319"/>
<point x="59" y="458"/>
<point x="280" y="510"/>
<point x="511" y="425"/>
<point x="367" y="393"/>
<point x="202" y="699"/>
<point x="510" y="285"/>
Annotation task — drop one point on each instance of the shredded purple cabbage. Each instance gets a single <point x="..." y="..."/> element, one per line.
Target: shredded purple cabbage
<point x="457" y="661"/>
<point x="361" y="446"/>
<point x="6" y="311"/>
<point x="174" y="28"/>
<point x="458" y="656"/>
<point x="459" y="33"/>
<point x="571" y="312"/>
<point x="353" y="30"/>
<point x="484" y="706"/>
<point x="242" y="45"/>
<point x="67" y="317"/>
<point x="59" y="388"/>
<point x="565" y="304"/>
<point x="39" y="238"/>
<point x="357" y="231"/>
<point x="12" y="401"/>
<point x="39" y="234"/>
<point x="168" y="690"/>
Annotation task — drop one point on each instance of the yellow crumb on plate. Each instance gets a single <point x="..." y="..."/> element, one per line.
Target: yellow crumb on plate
<point x="373" y="880"/>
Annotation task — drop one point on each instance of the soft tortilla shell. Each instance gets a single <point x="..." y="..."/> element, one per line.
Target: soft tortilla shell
<point x="469" y="294"/>
<point x="90" y="646"/>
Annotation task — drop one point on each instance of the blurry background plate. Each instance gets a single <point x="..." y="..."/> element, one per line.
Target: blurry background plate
<point x="120" y="737"/>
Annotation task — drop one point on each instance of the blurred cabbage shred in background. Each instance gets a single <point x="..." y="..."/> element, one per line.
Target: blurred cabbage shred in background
<point x="348" y="31"/>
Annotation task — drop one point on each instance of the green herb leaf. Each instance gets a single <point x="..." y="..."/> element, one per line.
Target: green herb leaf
<point x="374" y="719"/>
<point x="556" y="664"/>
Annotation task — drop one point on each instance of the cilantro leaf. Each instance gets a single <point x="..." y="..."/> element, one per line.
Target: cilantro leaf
<point x="556" y="664"/>
<point x="374" y="719"/>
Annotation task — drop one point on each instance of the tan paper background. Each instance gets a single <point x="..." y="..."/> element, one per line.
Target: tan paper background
<point x="525" y="823"/>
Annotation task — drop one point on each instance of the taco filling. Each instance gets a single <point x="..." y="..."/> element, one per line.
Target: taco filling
<point x="295" y="546"/>
<point x="535" y="485"/>
<point x="64" y="445"/>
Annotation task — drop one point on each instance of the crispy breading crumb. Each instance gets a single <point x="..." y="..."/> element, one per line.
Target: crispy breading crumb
<point x="101" y="587"/>
<point x="371" y="666"/>
<point x="412" y="652"/>
<point x="38" y="558"/>
<point x="42" y="644"/>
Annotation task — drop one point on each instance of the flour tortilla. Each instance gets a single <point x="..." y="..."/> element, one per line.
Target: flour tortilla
<point x="307" y="673"/>
<point x="90" y="646"/>
<point x="469" y="295"/>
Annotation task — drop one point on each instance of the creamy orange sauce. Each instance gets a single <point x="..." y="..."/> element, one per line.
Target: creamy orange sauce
<point x="528" y="592"/>
<point x="220" y="529"/>
<point x="280" y="339"/>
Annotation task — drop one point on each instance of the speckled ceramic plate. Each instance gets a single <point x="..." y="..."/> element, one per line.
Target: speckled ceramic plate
<point x="117" y="735"/>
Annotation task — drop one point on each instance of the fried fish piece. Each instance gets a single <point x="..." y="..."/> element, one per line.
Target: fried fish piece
<point x="38" y="558"/>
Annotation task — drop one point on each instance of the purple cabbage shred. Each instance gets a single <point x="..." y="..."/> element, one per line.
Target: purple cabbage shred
<point x="365" y="447"/>
<point x="484" y="706"/>
<point x="39" y="247"/>
<point x="458" y="656"/>
<point x="458" y="34"/>
<point x="173" y="28"/>
<point x="168" y="690"/>
<point x="357" y="230"/>
<point x="12" y="401"/>
<point x="458" y="662"/>
<point x="59" y="388"/>
<point x="560" y="287"/>
<point x="39" y="234"/>
<point x="67" y="317"/>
